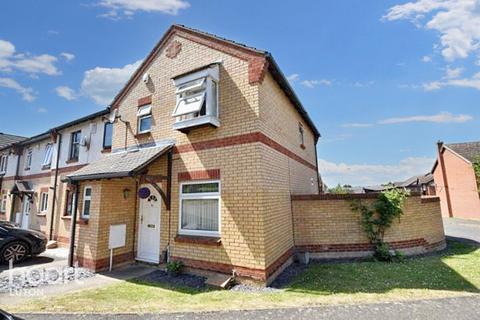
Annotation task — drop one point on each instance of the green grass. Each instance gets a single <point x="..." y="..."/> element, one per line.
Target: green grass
<point x="454" y="272"/>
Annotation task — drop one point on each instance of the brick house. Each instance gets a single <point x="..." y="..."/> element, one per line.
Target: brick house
<point x="455" y="180"/>
<point x="209" y="133"/>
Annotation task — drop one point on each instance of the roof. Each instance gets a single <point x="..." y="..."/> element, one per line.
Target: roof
<point x="416" y="180"/>
<point x="272" y="67"/>
<point x="468" y="150"/>
<point x="8" y="139"/>
<point x="120" y="164"/>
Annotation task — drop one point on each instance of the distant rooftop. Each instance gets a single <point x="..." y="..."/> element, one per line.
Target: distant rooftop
<point x="468" y="150"/>
<point x="8" y="139"/>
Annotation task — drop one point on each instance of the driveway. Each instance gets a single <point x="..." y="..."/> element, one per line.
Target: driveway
<point x="463" y="308"/>
<point x="50" y="258"/>
<point x="463" y="230"/>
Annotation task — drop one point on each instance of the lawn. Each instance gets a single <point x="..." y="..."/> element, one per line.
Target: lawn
<point x="453" y="272"/>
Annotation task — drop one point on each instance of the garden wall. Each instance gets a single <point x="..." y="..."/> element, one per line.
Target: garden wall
<point x="326" y="227"/>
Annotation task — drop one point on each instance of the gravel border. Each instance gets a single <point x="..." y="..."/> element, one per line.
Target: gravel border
<point x="181" y="280"/>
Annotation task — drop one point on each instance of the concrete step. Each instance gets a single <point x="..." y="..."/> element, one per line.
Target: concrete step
<point x="218" y="280"/>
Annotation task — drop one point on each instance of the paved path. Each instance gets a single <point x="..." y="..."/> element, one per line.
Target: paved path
<point x="462" y="308"/>
<point x="462" y="229"/>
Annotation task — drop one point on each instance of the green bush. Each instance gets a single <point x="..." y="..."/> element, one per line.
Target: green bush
<point x="174" y="267"/>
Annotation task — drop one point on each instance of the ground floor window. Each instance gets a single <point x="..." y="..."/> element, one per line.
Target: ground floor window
<point x="200" y="208"/>
<point x="3" y="203"/>
<point x="87" y="200"/>
<point x="43" y="202"/>
<point x="69" y="199"/>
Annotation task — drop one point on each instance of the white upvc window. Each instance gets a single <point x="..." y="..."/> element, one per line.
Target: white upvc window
<point x="3" y="163"/>
<point x="3" y="203"/>
<point x="47" y="159"/>
<point x="200" y="208"/>
<point x="28" y="159"/>
<point x="44" y="202"/>
<point x="144" y="115"/>
<point x="87" y="201"/>
<point x="197" y="99"/>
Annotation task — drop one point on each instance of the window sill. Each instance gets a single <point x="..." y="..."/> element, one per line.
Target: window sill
<point x="26" y="169"/>
<point x="209" y="241"/>
<point x="46" y="167"/>
<point x="185" y="125"/>
<point x="143" y="134"/>
<point x="81" y="221"/>
<point x="41" y="214"/>
<point x="71" y="161"/>
<point x="106" y="150"/>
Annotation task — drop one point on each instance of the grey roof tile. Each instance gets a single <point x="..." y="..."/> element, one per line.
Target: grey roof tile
<point x="120" y="164"/>
<point x="468" y="150"/>
<point x="8" y="139"/>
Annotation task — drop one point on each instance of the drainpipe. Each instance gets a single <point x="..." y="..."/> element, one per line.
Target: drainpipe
<point x="55" y="183"/>
<point x="73" y="226"/>
<point x="17" y="171"/>
<point x="445" y="181"/>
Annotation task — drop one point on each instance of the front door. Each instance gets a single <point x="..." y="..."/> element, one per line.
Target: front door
<point x="26" y="212"/>
<point x="149" y="227"/>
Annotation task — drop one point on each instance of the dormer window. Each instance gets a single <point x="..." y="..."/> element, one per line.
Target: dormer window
<point x="197" y="99"/>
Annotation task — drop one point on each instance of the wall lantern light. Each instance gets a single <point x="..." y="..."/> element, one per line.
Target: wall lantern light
<point x="126" y="193"/>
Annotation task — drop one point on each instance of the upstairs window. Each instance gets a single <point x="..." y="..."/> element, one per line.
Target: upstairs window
<point x="28" y="159"/>
<point x="144" y="115"/>
<point x="47" y="160"/>
<point x="107" y="135"/>
<point x="197" y="99"/>
<point x="74" y="145"/>
<point x="3" y="163"/>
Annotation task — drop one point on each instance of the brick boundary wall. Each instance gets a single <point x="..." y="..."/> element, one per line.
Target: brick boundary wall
<point x="327" y="228"/>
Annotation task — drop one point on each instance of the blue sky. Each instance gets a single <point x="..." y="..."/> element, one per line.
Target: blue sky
<point x="383" y="80"/>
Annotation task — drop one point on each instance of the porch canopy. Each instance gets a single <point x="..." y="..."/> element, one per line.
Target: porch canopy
<point x="22" y="187"/>
<point x="120" y="164"/>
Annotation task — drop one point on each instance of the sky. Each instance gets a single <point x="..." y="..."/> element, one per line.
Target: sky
<point x="383" y="80"/>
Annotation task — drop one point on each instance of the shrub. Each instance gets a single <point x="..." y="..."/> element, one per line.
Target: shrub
<point x="174" y="268"/>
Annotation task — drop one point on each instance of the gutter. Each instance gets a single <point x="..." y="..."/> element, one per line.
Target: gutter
<point x="55" y="184"/>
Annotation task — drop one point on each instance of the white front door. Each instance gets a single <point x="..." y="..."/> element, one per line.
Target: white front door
<point x="26" y="212"/>
<point x="149" y="227"/>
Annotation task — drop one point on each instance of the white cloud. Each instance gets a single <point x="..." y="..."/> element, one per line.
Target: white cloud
<point x="42" y="110"/>
<point x="472" y="82"/>
<point x="293" y="77"/>
<point x="442" y="117"/>
<point x="426" y="59"/>
<point x="457" y="21"/>
<point x="356" y="125"/>
<point x="359" y="84"/>
<point x="10" y="60"/>
<point x="66" y="92"/>
<point x="27" y="93"/>
<point x="314" y="83"/>
<point x="67" y="56"/>
<point x="102" y="84"/>
<point x="372" y="174"/>
<point x="127" y="8"/>
<point x="452" y="73"/>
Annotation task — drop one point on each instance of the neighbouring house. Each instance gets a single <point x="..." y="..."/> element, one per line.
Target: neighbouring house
<point x="422" y="184"/>
<point x="32" y="191"/>
<point x="206" y="156"/>
<point x="5" y="141"/>
<point x="455" y="179"/>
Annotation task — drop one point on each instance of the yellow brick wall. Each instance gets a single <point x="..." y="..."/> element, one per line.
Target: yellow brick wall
<point x="327" y="222"/>
<point x="238" y="99"/>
